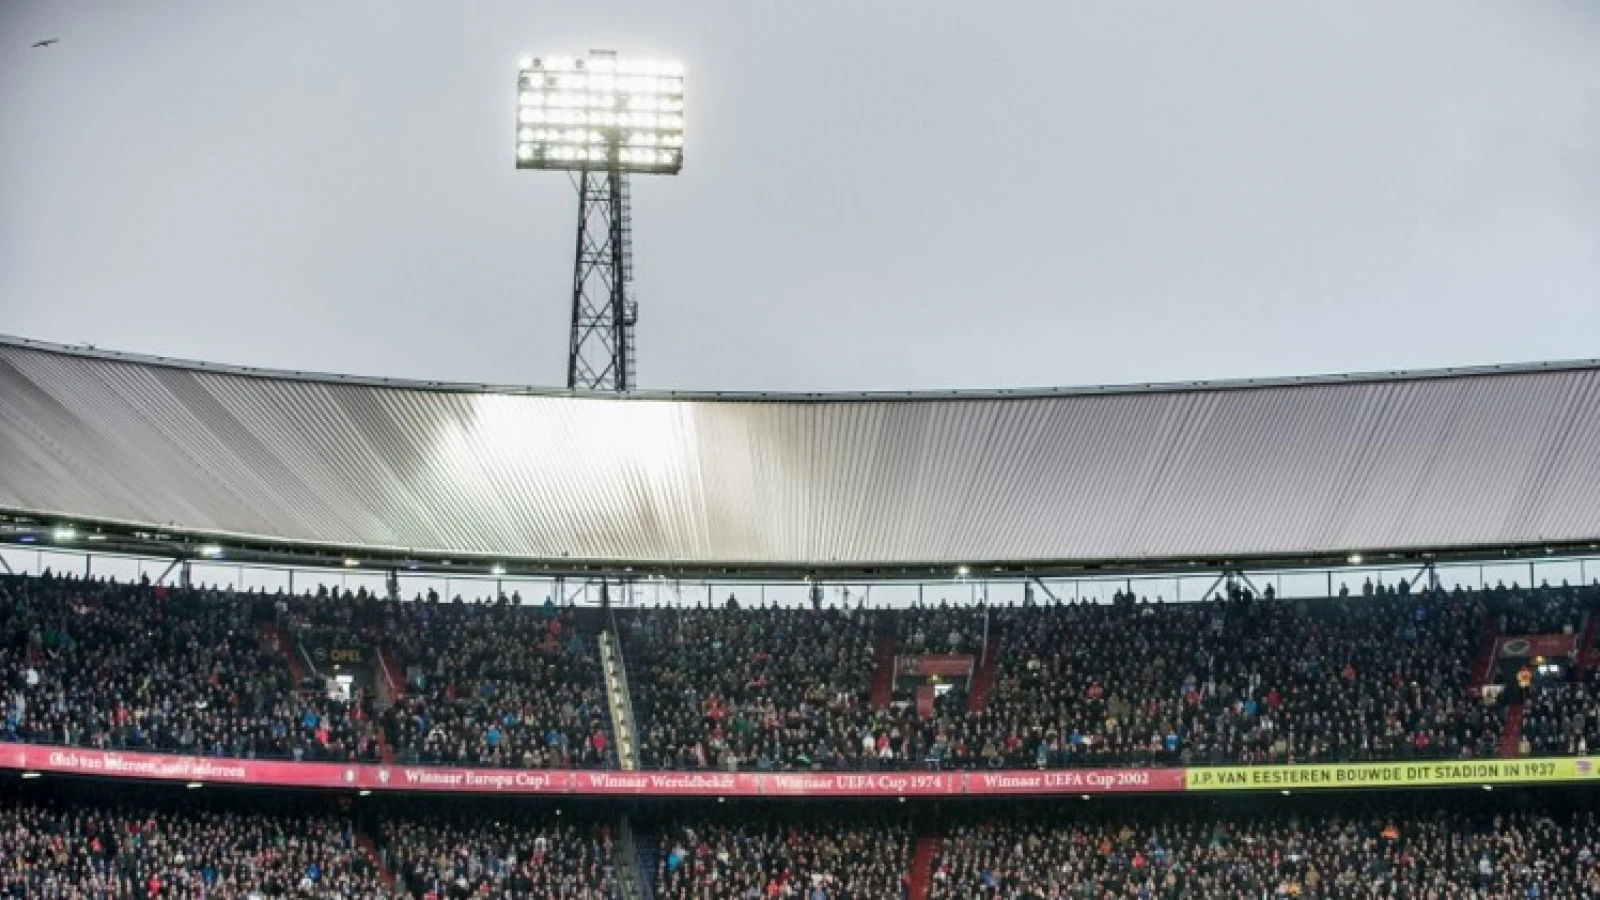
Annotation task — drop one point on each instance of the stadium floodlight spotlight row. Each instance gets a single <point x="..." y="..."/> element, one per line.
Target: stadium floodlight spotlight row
<point x="600" y="113"/>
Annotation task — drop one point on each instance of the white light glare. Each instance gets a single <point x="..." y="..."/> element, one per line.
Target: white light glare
<point x="210" y="550"/>
<point x="65" y="533"/>
<point x="350" y="562"/>
<point x="497" y="570"/>
<point x="1355" y="559"/>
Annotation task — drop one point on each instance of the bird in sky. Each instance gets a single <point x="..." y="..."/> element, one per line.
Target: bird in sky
<point x="47" y="42"/>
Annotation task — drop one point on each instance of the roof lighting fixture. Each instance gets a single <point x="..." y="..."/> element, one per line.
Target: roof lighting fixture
<point x="65" y="533"/>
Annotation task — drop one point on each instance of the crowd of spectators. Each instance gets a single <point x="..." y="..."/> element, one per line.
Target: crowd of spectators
<point x="134" y="666"/>
<point x="1434" y="850"/>
<point x="456" y="857"/>
<point x="1562" y="718"/>
<point x="1233" y="680"/>
<point x="766" y="688"/>
<point x="1544" y="609"/>
<point x="125" y="849"/>
<point x="844" y="859"/>
<point x="1240" y="679"/>
<point x="496" y="684"/>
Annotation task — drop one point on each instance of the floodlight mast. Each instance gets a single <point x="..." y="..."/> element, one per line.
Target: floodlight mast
<point x="601" y="118"/>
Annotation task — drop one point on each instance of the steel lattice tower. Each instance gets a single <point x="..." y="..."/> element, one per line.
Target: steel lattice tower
<point x="601" y="118"/>
<point x="601" y="354"/>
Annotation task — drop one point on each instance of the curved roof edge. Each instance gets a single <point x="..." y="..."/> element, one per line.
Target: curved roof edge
<point x="1169" y="387"/>
<point x="1132" y="477"/>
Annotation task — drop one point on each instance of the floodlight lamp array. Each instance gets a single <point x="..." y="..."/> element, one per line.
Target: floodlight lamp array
<point x="600" y="113"/>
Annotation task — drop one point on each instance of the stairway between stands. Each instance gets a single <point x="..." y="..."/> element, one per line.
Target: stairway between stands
<point x="368" y="846"/>
<point x="881" y="690"/>
<point x="1589" y="635"/>
<point x="1511" y="737"/>
<point x="983" y="681"/>
<point x="1483" y="664"/>
<point x="922" y="865"/>
<point x="273" y="633"/>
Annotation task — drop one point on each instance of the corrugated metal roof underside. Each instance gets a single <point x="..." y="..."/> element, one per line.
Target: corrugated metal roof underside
<point x="1409" y="463"/>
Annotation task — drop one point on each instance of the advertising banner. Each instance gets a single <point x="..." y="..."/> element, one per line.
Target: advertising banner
<point x="1549" y="646"/>
<point x="945" y="665"/>
<point x="1391" y="775"/>
<point x="155" y="766"/>
<point x="1075" y="781"/>
<point x="163" y="767"/>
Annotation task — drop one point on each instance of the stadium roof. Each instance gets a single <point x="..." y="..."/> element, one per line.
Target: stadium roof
<point x="161" y="454"/>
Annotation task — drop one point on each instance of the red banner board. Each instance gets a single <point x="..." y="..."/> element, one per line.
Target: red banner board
<point x="1557" y="646"/>
<point x="1075" y="781"/>
<point x="162" y="767"/>
<point x="945" y="665"/>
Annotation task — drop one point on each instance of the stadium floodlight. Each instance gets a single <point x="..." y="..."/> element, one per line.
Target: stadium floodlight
<point x="600" y="113"/>
<point x="64" y="533"/>
<point x="606" y="117"/>
<point x="211" y="551"/>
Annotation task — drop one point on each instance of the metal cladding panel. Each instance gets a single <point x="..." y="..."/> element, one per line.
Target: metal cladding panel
<point x="1312" y="467"/>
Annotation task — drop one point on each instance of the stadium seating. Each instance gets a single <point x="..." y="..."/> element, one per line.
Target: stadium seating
<point x="1236" y="680"/>
<point x="1563" y="718"/>
<point x="496" y="685"/>
<point x="499" y="854"/>
<point x="1243" y="680"/>
<point x="750" y="688"/>
<point x="1445" y="848"/>
<point x="762" y="856"/>
<point x="135" y="667"/>
<point x="170" y="849"/>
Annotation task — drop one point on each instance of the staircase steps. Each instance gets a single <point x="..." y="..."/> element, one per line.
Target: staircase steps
<point x="1511" y="736"/>
<point x="368" y="846"/>
<point x="882" y="686"/>
<point x="922" y="866"/>
<point x="1483" y="663"/>
<point x="983" y="681"/>
<point x="1588" y="652"/>
<point x="273" y="633"/>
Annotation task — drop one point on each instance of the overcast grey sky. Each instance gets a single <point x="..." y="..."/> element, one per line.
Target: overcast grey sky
<point x="876" y="195"/>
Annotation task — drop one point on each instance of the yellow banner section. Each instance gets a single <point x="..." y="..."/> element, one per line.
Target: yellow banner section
<point x="1382" y="775"/>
